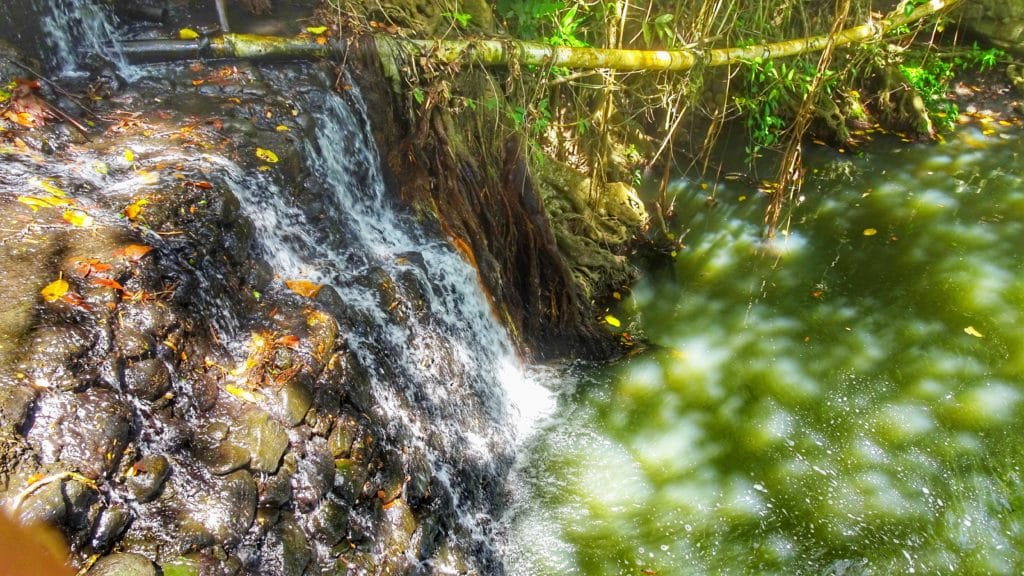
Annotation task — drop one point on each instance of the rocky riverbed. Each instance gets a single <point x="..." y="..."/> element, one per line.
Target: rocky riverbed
<point x="166" y="400"/>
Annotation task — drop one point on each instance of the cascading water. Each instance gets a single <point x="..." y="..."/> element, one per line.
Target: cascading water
<point x="445" y="386"/>
<point x="77" y="30"/>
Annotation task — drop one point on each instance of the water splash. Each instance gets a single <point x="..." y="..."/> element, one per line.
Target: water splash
<point x="79" y="33"/>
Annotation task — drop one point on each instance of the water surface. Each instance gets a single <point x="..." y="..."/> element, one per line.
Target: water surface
<point x="845" y="399"/>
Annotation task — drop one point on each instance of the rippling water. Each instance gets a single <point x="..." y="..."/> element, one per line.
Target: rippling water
<point x="843" y="400"/>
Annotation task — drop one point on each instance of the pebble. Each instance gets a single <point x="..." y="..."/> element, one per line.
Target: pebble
<point x="123" y="564"/>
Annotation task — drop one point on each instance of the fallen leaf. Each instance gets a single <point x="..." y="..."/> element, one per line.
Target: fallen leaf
<point x="55" y="290"/>
<point x="870" y="231"/>
<point x="290" y="341"/>
<point x="188" y="34"/>
<point x="133" y="252"/>
<point x="45" y="185"/>
<point x="77" y="218"/>
<point x="971" y="331"/>
<point x="100" y="168"/>
<point x="75" y="300"/>
<point x="107" y="282"/>
<point x="304" y="287"/>
<point x="316" y="29"/>
<point x="129" y="155"/>
<point x="266" y="155"/>
<point x="133" y="210"/>
<point x="86" y="267"/>
<point x="37" y="202"/>
<point x="612" y="321"/>
<point x="282" y="128"/>
<point x="243" y="393"/>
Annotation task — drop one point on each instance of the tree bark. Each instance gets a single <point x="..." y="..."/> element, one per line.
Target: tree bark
<point x="501" y="52"/>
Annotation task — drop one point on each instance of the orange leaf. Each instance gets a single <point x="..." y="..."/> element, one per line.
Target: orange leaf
<point x="304" y="287"/>
<point x="289" y="341"/>
<point x="55" y="290"/>
<point x="133" y="252"/>
<point x="75" y="300"/>
<point x="109" y="283"/>
<point x="86" y="267"/>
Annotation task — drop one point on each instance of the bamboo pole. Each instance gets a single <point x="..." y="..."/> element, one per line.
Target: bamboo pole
<point x="501" y="52"/>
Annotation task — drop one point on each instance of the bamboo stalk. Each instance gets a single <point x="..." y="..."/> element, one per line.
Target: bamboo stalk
<point x="501" y="52"/>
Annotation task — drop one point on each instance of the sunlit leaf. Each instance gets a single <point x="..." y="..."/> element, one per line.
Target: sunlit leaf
<point x="282" y="128"/>
<point x="55" y="290"/>
<point x="36" y="202"/>
<point x="242" y="393"/>
<point x="108" y="283"/>
<point x="77" y="218"/>
<point x="86" y="267"/>
<point x="100" y="168"/>
<point x="188" y="34"/>
<point x="129" y="155"/>
<point x="316" y="29"/>
<point x="870" y="231"/>
<point x="612" y="321"/>
<point x="133" y="252"/>
<point x="46" y="185"/>
<point x="971" y="331"/>
<point x="266" y="155"/>
<point x="290" y="341"/>
<point x="304" y="287"/>
<point x="75" y="300"/>
<point x="133" y="210"/>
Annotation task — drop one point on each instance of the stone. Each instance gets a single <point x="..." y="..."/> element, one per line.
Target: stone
<point x="15" y="402"/>
<point x="123" y="564"/>
<point x="147" y="379"/>
<point x="110" y="526"/>
<point x="286" y="551"/>
<point x="150" y="473"/>
<point x="293" y="400"/>
<point x="330" y="521"/>
<point x="264" y="439"/>
<point x="346" y="430"/>
<point x="87" y="431"/>
<point x="218" y="512"/>
<point x="276" y="490"/>
<point x="133" y="343"/>
<point x="44" y="505"/>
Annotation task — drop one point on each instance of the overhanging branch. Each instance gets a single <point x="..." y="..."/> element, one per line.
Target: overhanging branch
<point x="501" y="52"/>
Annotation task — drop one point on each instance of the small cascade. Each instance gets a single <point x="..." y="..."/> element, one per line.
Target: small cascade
<point x="77" y="32"/>
<point x="442" y="367"/>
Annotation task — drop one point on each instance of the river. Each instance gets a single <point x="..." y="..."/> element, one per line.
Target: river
<point x="844" y="399"/>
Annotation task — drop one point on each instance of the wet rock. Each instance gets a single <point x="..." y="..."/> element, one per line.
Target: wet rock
<point x="148" y="379"/>
<point x="45" y="505"/>
<point x="293" y="400"/>
<point x="349" y="478"/>
<point x="123" y="564"/>
<point x="15" y="402"/>
<point x="110" y="526"/>
<point x="219" y="511"/>
<point x="329" y="521"/>
<point x="286" y="551"/>
<point x="400" y="525"/>
<point x="87" y="431"/>
<point x="213" y="448"/>
<point x="264" y="439"/>
<point x="133" y="343"/>
<point x="315" y="475"/>
<point x="276" y="490"/>
<point x="53" y="353"/>
<point x="202" y="564"/>
<point x="150" y="474"/>
<point x="345" y="431"/>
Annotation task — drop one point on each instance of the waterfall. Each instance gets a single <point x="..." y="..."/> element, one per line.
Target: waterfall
<point x="76" y="31"/>
<point x="445" y="374"/>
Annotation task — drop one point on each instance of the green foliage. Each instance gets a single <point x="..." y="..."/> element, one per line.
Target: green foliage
<point x="659" y="31"/>
<point x="559" y="23"/>
<point x="931" y="80"/>
<point x="459" y="18"/>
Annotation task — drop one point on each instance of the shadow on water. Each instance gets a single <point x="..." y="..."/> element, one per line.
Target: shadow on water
<point x="842" y="400"/>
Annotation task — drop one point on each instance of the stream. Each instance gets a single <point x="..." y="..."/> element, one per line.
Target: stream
<point x="845" y="399"/>
<point x="228" y="348"/>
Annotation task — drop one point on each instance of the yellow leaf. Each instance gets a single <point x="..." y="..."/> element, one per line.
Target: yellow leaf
<point x="188" y="34"/>
<point x="129" y="155"/>
<point x="49" y="187"/>
<point x="243" y="393"/>
<point x="316" y="29"/>
<point x="77" y="218"/>
<point x="100" y="168"/>
<point x="55" y="290"/>
<point x="870" y="231"/>
<point x="132" y="211"/>
<point x="266" y="155"/>
<point x="970" y="331"/>
<point x="36" y="202"/>
<point x="612" y="321"/>
<point x="304" y="287"/>
<point x="282" y="128"/>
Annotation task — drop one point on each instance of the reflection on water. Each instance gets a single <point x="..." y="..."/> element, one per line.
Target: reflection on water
<point x="845" y="400"/>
